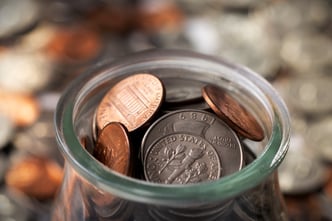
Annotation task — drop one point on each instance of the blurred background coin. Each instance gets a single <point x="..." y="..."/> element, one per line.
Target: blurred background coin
<point x="238" y="32"/>
<point x="319" y="136"/>
<point x="301" y="173"/>
<point x="307" y="51"/>
<point x="17" y="16"/>
<point x="22" y="109"/>
<point x="24" y="71"/>
<point x="39" y="138"/>
<point x="74" y="44"/>
<point x="10" y="210"/>
<point x="34" y="176"/>
<point x="310" y="95"/>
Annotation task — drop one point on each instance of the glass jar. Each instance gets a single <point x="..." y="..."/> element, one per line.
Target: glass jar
<point x="90" y="191"/>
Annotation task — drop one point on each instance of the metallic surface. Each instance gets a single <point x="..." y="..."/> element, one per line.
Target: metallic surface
<point x="232" y="112"/>
<point x="113" y="148"/>
<point x="181" y="158"/>
<point x="203" y="124"/>
<point x="132" y="101"/>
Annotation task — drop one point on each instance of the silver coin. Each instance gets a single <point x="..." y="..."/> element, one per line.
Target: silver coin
<point x="24" y="72"/>
<point x="237" y="34"/>
<point x="285" y="16"/>
<point x="10" y="210"/>
<point x="307" y="51"/>
<point x="6" y="130"/>
<point x="17" y="16"/>
<point x="202" y="33"/>
<point x="301" y="172"/>
<point x="319" y="136"/>
<point x="204" y="124"/>
<point x="39" y="138"/>
<point x="310" y="95"/>
<point x="181" y="158"/>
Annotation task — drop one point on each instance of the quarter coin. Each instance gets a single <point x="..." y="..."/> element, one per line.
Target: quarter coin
<point x="203" y="124"/>
<point x="113" y="149"/>
<point x="181" y="158"/>
<point x="132" y="101"/>
<point x="232" y="112"/>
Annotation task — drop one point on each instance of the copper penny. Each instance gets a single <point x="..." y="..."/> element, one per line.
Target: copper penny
<point x="74" y="44"/>
<point x="35" y="176"/>
<point x="232" y="112"/>
<point x="113" y="148"/>
<point x="22" y="109"/>
<point x="132" y="101"/>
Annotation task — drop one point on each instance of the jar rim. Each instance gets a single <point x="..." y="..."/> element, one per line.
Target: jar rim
<point x="162" y="194"/>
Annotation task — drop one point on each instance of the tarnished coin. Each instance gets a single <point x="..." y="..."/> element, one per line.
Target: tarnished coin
<point x="232" y="112"/>
<point x="35" y="177"/>
<point x="181" y="158"/>
<point x="132" y="101"/>
<point x="113" y="148"/>
<point x="205" y="125"/>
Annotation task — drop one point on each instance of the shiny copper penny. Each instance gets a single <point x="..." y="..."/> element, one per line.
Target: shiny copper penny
<point x="232" y="112"/>
<point x="132" y="101"/>
<point x="113" y="148"/>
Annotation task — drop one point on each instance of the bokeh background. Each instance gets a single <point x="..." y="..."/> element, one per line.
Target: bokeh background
<point x="45" y="44"/>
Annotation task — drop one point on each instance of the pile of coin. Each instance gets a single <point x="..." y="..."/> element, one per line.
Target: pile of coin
<point x="288" y="42"/>
<point x="178" y="146"/>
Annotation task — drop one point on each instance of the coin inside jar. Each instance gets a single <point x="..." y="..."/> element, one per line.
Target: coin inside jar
<point x="203" y="124"/>
<point x="232" y="112"/>
<point x="181" y="158"/>
<point x="113" y="148"/>
<point x="132" y="101"/>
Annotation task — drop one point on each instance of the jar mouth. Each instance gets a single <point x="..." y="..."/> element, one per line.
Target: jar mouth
<point x="161" y="194"/>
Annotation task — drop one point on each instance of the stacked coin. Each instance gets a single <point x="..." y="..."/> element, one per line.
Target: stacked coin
<point x="178" y="146"/>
